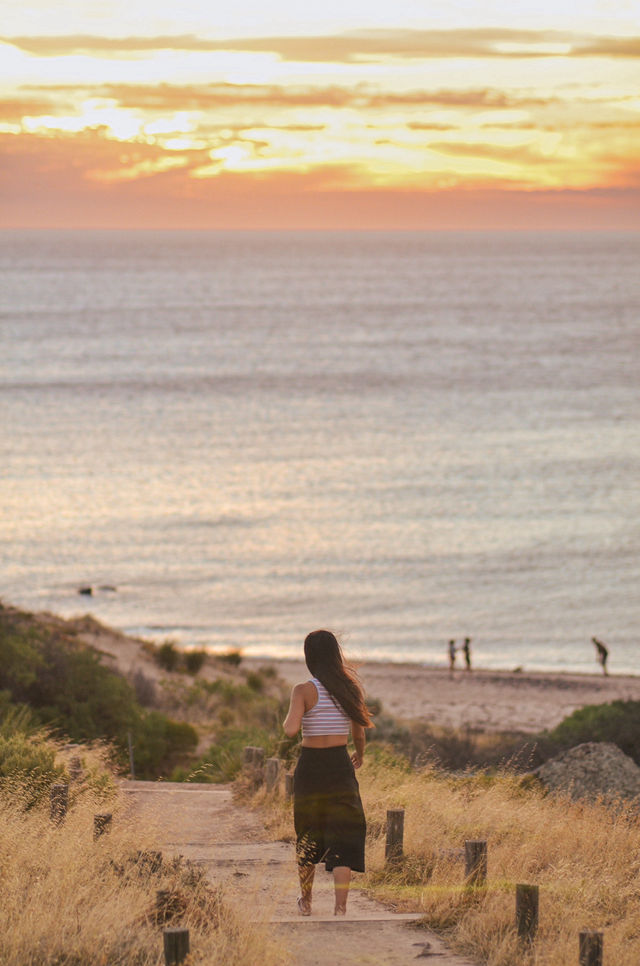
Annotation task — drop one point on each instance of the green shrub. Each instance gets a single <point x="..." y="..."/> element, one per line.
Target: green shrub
<point x="617" y="722"/>
<point x="158" y="744"/>
<point x="28" y="767"/>
<point x="231" y="657"/>
<point x="68" y="690"/>
<point x="224" y="759"/>
<point x="194" y="660"/>
<point x="255" y="681"/>
<point x="167" y="656"/>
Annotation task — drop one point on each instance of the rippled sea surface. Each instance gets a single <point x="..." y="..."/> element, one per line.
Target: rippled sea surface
<point x="404" y="437"/>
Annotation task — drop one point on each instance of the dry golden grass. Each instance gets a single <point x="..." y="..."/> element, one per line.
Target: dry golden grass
<point x="584" y="858"/>
<point x="67" y="900"/>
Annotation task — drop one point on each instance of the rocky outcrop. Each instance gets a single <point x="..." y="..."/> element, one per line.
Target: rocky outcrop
<point x="591" y="771"/>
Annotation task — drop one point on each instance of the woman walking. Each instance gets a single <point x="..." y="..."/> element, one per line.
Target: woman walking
<point x="328" y="816"/>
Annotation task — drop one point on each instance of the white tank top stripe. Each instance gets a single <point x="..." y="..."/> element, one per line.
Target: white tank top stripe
<point x="326" y="717"/>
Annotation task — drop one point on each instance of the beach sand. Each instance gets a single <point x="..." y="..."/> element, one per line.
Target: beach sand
<point x="489" y="701"/>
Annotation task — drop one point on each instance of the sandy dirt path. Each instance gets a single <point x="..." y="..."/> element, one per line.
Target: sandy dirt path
<point x="202" y="823"/>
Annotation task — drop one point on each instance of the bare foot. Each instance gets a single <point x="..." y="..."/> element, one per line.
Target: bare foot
<point x="340" y="911"/>
<point x="304" y="906"/>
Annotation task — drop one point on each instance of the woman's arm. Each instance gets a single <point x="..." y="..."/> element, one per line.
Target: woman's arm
<point x="357" y="733"/>
<point x="293" y="721"/>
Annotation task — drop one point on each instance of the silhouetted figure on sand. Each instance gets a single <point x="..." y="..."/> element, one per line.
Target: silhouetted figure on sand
<point x="466" y="650"/>
<point x="451" y="651"/>
<point x="602" y="655"/>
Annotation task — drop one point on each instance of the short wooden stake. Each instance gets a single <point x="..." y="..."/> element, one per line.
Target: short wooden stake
<point x="475" y="861"/>
<point x="254" y="764"/>
<point x="527" y="911"/>
<point x="176" y="946"/>
<point x="271" y="773"/>
<point x="75" y="768"/>
<point x="101" y="824"/>
<point x="59" y="803"/>
<point x="591" y="948"/>
<point x="288" y="785"/>
<point x="395" y="834"/>
<point x="132" y="764"/>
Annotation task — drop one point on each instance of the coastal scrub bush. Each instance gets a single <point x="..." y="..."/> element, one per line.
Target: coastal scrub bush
<point x="28" y="767"/>
<point x="46" y="669"/>
<point x="224" y="759"/>
<point x="159" y="743"/>
<point x="255" y="681"/>
<point x="194" y="660"/>
<point x="167" y="656"/>
<point x="617" y="722"/>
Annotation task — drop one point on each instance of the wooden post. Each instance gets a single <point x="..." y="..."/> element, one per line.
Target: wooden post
<point x="527" y="911"/>
<point x="75" y="768"/>
<point x="258" y="757"/>
<point x="288" y="785"/>
<point x="591" y="948"/>
<point x="176" y="946"/>
<point x="395" y="834"/>
<point x="59" y="803"/>
<point x="132" y="766"/>
<point x="475" y="860"/>
<point x="271" y="773"/>
<point x="253" y="764"/>
<point x="101" y="824"/>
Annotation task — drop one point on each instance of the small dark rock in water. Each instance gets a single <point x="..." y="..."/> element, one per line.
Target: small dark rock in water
<point x="88" y="591"/>
<point x="108" y="588"/>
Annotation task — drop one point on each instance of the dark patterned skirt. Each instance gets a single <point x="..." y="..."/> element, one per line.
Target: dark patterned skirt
<point x="327" y="810"/>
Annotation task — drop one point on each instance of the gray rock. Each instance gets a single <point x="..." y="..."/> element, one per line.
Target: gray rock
<point x="593" y="770"/>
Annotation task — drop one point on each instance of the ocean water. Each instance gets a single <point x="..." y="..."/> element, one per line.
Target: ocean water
<point x="406" y="437"/>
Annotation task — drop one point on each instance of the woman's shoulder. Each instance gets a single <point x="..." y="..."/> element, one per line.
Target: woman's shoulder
<point x="305" y="687"/>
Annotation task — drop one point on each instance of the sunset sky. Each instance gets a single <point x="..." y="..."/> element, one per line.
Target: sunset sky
<point x="352" y="114"/>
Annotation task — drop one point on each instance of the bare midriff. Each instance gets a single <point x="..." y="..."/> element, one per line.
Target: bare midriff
<point x="324" y="741"/>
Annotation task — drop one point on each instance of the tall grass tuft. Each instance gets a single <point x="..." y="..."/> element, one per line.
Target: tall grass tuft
<point x="69" y="900"/>
<point x="585" y="858"/>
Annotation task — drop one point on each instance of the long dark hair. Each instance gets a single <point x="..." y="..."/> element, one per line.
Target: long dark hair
<point x="324" y="659"/>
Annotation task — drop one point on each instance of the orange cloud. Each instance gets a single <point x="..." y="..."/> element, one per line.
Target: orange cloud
<point x="206" y="97"/>
<point x="54" y="182"/>
<point x="520" y="154"/>
<point x="15" y="108"/>
<point x="487" y="42"/>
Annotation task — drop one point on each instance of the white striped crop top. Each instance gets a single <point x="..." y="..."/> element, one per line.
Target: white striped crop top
<point x="326" y="717"/>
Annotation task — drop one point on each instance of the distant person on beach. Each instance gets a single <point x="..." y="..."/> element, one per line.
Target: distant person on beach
<point x="327" y="811"/>
<point x="451" y="651"/>
<point x="602" y="653"/>
<point x="466" y="650"/>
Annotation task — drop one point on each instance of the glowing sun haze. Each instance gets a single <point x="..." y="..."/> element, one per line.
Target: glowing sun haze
<point x="346" y="115"/>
